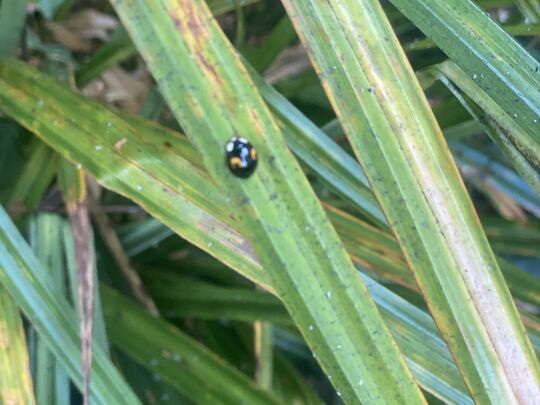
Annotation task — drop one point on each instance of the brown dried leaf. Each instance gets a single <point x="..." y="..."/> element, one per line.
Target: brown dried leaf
<point x="77" y="32"/>
<point x="123" y="89"/>
<point x="80" y="223"/>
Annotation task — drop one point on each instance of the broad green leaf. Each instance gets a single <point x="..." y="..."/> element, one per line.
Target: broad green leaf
<point x="175" y="185"/>
<point x="182" y="362"/>
<point x="396" y="139"/>
<point x="16" y="381"/>
<point x="213" y="98"/>
<point x="485" y="52"/>
<point x="52" y="316"/>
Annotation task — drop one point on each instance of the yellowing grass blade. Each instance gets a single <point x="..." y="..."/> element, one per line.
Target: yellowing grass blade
<point x="16" y="381"/>
<point x="396" y="138"/>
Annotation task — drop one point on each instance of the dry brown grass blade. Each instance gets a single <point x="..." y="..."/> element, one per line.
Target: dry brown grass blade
<point x="121" y="259"/>
<point x="80" y="224"/>
<point x="73" y="184"/>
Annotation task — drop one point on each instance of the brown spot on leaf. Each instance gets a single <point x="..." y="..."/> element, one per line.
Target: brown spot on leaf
<point x="186" y="18"/>
<point x="208" y="67"/>
<point x="176" y="21"/>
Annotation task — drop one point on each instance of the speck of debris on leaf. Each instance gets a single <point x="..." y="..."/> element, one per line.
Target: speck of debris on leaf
<point x="120" y="144"/>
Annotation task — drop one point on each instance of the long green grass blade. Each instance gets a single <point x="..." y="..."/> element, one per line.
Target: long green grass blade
<point x="16" y="381"/>
<point x="116" y="50"/>
<point x="51" y="381"/>
<point x="396" y="138"/>
<point x="52" y="316"/>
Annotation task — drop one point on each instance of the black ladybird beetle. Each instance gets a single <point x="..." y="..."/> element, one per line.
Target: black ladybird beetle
<point x="241" y="157"/>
